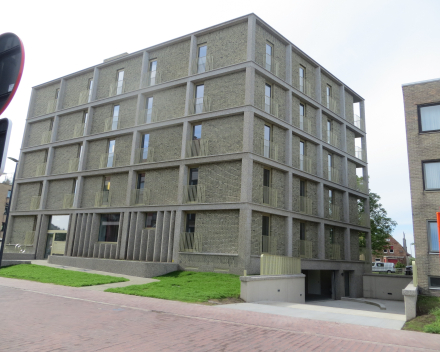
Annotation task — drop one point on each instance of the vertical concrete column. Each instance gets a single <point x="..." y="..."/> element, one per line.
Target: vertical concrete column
<point x="44" y="191"/>
<point x="289" y="107"/>
<point x="289" y="64"/>
<point x="189" y="97"/>
<point x="53" y="137"/>
<point x="40" y="238"/>
<point x="321" y="241"/>
<point x="252" y="27"/>
<point x="318" y="84"/>
<point x="183" y="180"/>
<point x="343" y="137"/>
<point x="131" y="185"/>
<point x="192" y="54"/>
<point x="95" y="84"/>
<point x="344" y="171"/>
<point x="319" y="161"/>
<point x="342" y="101"/>
<point x="320" y="195"/>
<point x="347" y="249"/>
<point x="89" y="121"/>
<point x="78" y="192"/>
<point x="50" y="155"/>
<point x="144" y="68"/>
<point x="178" y="229"/>
<point x="94" y="233"/>
<point x="246" y="179"/>
<point x="288" y="146"/>
<point x="244" y="237"/>
<point x="135" y="144"/>
<point x="248" y="132"/>
<point x="158" y="237"/>
<point x="19" y="170"/>
<point x="61" y="95"/>
<point x="83" y="158"/>
<point x="71" y="235"/>
<point x="30" y="109"/>
<point x="289" y="235"/>
<point x="288" y="194"/>
<point x="345" y="207"/>
<point x="139" y="108"/>
<point x="124" y="228"/>
<point x="319" y="124"/>
<point x="186" y="136"/>
<point x="249" y="86"/>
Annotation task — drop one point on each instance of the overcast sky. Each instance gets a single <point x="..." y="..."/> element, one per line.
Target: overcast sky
<point x="373" y="46"/>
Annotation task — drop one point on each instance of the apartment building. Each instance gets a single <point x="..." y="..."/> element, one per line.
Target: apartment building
<point x="422" y="119"/>
<point x="203" y="152"/>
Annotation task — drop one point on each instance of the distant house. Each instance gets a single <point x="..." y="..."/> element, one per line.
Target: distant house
<point x="393" y="254"/>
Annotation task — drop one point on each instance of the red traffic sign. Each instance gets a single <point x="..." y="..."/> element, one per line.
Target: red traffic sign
<point x="11" y="67"/>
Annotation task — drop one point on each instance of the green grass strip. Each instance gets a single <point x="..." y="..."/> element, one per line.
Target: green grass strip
<point x="56" y="276"/>
<point x="187" y="286"/>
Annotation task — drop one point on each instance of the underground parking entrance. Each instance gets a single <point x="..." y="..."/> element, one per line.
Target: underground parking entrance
<point x="319" y="285"/>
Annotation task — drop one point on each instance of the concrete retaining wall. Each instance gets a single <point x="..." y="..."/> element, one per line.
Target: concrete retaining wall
<point x="385" y="286"/>
<point x="410" y="296"/>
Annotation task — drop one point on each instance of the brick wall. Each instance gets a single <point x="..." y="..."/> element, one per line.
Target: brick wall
<point x="310" y="112"/>
<point x="215" y="130"/>
<point x="95" y="150"/>
<point x="123" y="149"/>
<point x="353" y="209"/>
<point x="74" y="87"/>
<point x="167" y="143"/>
<point x="278" y="138"/>
<point x="338" y="235"/>
<point x="31" y="161"/>
<point x="349" y="112"/>
<point x="310" y="151"/>
<point x="350" y="136"/>
<point x="25" y="193"/>
<point x="62" y="157"/>
<point x="354" y="245"/>
<point x="352" y="180"/>
<point x="163" y="185"/>
<point x="20" y="225"/>
<point x="127" y="114"/>
<point x="67" y="123"/>
<point x="337" y="201"/>
<point x="226" y="91"/>
<point x="298" y="60"/>
<point x="57" y="190"/>
<point x="42" y="98"/>
<point x="90" y="187"/>
<point x="279" y="50"/>
<point x="277" y="231"/>
<point x="311" y="193"/>
<point x="311" y="235"/>
<point x="278" y="96"/>
<point x="337" y="163"/>
<point x="35" y="132"/>
<point x="335" y="91"/>
<point x="169" y="103"/>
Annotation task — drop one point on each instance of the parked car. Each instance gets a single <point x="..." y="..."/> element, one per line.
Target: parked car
<point x="408" y="270"/>
<point x="383" y="267"/>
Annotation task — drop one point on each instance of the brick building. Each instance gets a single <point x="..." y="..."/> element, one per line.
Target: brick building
<point x="394" y="253"/>
<point x="422" y="119"/>
<point x="200" y="153"/>
<point x="5" y="193"/>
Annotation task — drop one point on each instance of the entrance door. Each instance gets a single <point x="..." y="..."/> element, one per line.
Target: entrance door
<point x="55" y="243"/>
<point x="347" y="283"/>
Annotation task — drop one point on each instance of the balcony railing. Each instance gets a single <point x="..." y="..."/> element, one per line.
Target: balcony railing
<point x="304" y="85"/>
<point x="269" y="196"/>
<point x="198" y="147"/>
<point x="190" y="242"/>
<point x="334" y="175"/>
<point x="305" y="249"/>
<point x="268" y="149"/>
<point x="332" y="104"/>
<point x="305" y="163"/>
<point x="140" y="196"/>
<point x="279" y="265"/>
<point x="35" y="202"/>
<point x="335" y="251"/>
<point x="359" y="122"/>
<point x="116" y="88"/>
<point x="150" y="116"/>
<point x="362" y="254"/>
<point x="113" y="160"/>
<point x="103" y="199"/>
<point x="194" y="194"/>
<point x="333" y="139"/>
<point x="360" y="153"/>
<point x="363" y="220"/>
<point x="269" y="63"/>
<point x="73" y="165"/>
<point x="305" y="205"/>
<point x="84" y="97"/>
<point x="46" y="137"/>
<point x="68" y="200"/>
<point x="144" y="155"/>
<point x="305" y="123"/>
<point x="268" y="105"/>
<point x="41" y="170"/>
<point x="202" y="64"/>
<point x="334" y="212"/>
<point x="111" y="125"/>
<point x="78" y="130"/>
<point x="268" y="244"/>
<point x="361" y="186"/>
<point x="200" y="105"/>
<point x="51" y="106"/>
<point x="151" y="78"/>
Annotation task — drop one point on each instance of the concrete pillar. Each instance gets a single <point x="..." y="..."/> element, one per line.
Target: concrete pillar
<point x="344" y="171"/>
<point x="131" y="185"/>
<point x="87" y="235"/>
<point x="40" y="238"/>
<point x="44" y="191"/>
<point x="82" y="235"/>
<point x="144" y="68"/>
<point x="144" y="243"/>
<point x="135" y="144"/>
<point x="171" y="237"/>
<point x="150" y="245"/>
<point x="244" y="237"/>
<point x="49" y="160"/>
<point x="289" y="118"/>
<point x="124" y="234"/>
<point x="131" y="236"/>
<point x="140" y="105"/>
<point x="318" y="84"/>
<point x="140" y="224"/>
<point x="95" y="84"/>
<point x="88" y="122"/>
<point x="289" y="235"/>
<point x="186" y="136"/>
<point x="165" y="236"/>
<point x="122" y="220"/>
<point x="183" y="181"/>
<point x="53" y="137"/>
<point x="192" y="54"/>
<point x="319" y="161"/>
<point x="78" y="192"/>
<point x="248" y="132"/>
<point x="83" y="157"/>
<point x="345" y="207"/>
<point x="289" y="64"/>
<point x="320" y="196"/>
<point x="246" y="179"/>
<point x="342" y="101"/>
<point x="343" y="137"/>
<point x="288" y="146"/>
<point x="77" y="235"/>
<point x="189" y="97"/>
<point x="321" y="241"/>
<point x="252" y="27"/>
<point x="158" y="238"/>
<point x="94" y="233"/>
<point x="29" y="112"/>
<point x="70" y="235"/>
<point x="249" y="86"/>
<point x="178" y="229"/>
<point x="347" y="248"/>
<point x="61" y="95"/>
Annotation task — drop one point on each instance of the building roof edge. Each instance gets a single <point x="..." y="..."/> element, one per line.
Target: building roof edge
<point x="420" y="82"/>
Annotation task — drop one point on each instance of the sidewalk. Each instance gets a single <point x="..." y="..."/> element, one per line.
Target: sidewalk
<point x="45" y="317"/>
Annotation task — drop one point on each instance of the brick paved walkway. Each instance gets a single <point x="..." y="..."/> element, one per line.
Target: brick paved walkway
<point x="44" y="317"/>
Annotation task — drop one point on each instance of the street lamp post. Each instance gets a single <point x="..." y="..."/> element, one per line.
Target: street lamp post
<point x="5" y="224"/>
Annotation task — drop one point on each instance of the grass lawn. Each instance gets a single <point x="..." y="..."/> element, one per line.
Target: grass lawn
<point x="187" y="286"/>
<point x="428" y="315"/>
<point x="56" y="276"/>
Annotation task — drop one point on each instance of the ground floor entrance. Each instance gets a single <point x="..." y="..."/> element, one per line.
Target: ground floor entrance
<point x="319" y="284"/>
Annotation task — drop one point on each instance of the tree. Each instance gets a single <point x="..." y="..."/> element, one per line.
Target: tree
<point x="381" y="225"/>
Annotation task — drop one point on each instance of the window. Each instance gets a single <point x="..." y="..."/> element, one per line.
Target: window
<point x="57" y="93"/>
<point x="108" y="230"/>
<point x="429" y="117"/>
<point x="59" y="222"/>
<point x="201" y="61"/>
<point x="302" y="188"/>
<point x="431" y="175"/>
<point x="434" y="282"/>
<point x="200" y="93"/>
<point x="141" y="181"/>
<point x="111" y="153"/>
<point x="266" y="185"/>
<point x="302" y="231"/>
<point x="267" y="139"/>
<point x="267" y="98"/>
<point x="265" y="233"/>
<point x="385" y="250"/>
<point x="106" y="186"/>
<point x="150" y="221"/>
<point x="329" y="95"/>
<point x="89" y="88"/>
<point x="119" y="82"/>
<point x="330" y="202"/>
<point x="105" y="190"/>
<point x="433" y="237"/>
<point x="190" y="223"/>
<point x="377" y="260"/>
<point x="197" y="132"/>
<point x="144" y="146"/>
<point x="193" y="176"/>
<point x="302" y="77"/>
<point x="330" y="166"/>
<point x="302" y="111"/>
<point x="391" y="249"/>
<point x="269" y="54"/>
<point x="51" y="125"/>
<point x="302" y="152"/>
<point x="153" y="71"/>
<point x="115" y="118"/>
<point x="329" y="131"/>
<point x="9" y="194"/>
<point x="149" y="109"/>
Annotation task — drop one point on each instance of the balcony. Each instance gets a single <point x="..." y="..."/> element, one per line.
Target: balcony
<point x="51" y="106"/>
<point x="116" y="88"/>
<point x="73" y="165"/>
<point x="268" y="244"/>
<point x="103" y="199"/>
<point x="363" y="220"/>
<point x="305" y="249"/>
<point x="304" y="85"/>
<point x="144" y="155"/>
<point x="68" y="200"/>
<point x="363" y="254"/>
<point x="200" y="105"/>
<point x="361" y="186"/>
<point x="35" y="203"/>
<point x="78" y="130"/>
<point x="41" y="169"/>
<point x="194" y="194"/>
<point x="140" y="196"/>
<point x="150" y="116"/>
<point x="332" y="104"/>
<point x="202" y="64"/>
<point x="46" y="137"/>
<point x="110" y="124"/>
<point x="113" y="160"/>
<point x="334" y="212"/>
<point x="268" y="105"/>
<point x="84" y="97"/>
<point x="334" y="175"/>
<point x="197" y="148"/>
<point x="305" y="205"/>
<point x="151" y="78"/>
<point x="268" y="149"/>
<point x="333" y="139"/>
<point x="305" y="163"/>
<point x="190" y="242"/>
<point x="269" y="196"/>
<point x="335" y="251"/>
<point x="306" y="124"/>
<point x="359" y="122"/>
<point x="269" y="63"/>
<point x="360" y="153"/>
